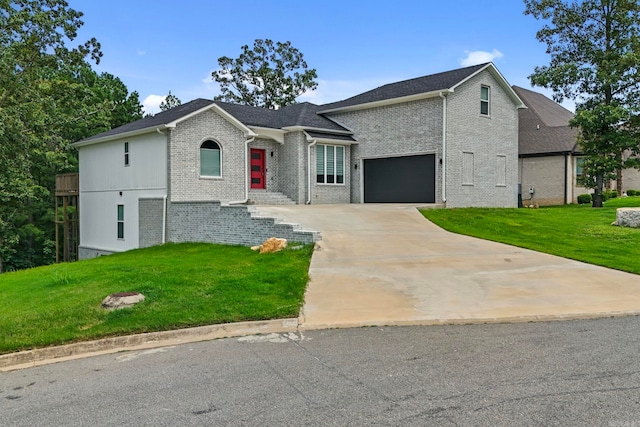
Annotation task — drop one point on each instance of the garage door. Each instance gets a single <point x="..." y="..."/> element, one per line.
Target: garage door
<point x="407" y="179"/>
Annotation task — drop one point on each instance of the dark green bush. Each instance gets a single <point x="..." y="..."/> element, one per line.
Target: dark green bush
<point x="583" y="199"/>
<point x="633" y="192"/>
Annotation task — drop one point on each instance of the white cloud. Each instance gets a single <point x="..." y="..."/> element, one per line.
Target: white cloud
<point x="151" y="104"/>
<point x="141" y="52"/>
<point x="480" y="57"/>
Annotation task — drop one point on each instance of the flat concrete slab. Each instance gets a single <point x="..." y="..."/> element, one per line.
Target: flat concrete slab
<point x="388" y="265"/>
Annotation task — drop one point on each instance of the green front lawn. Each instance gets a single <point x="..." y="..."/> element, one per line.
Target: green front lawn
<point x="185" y="285"/>
<point x="578" y="232"/>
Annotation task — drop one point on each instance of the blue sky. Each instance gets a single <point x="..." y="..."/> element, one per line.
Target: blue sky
<point x="166" y="45"/>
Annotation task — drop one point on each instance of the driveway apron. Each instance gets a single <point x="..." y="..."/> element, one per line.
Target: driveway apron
<point x="388" y="265"/>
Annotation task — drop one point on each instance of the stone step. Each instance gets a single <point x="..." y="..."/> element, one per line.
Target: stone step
<point x="269" y="198"/>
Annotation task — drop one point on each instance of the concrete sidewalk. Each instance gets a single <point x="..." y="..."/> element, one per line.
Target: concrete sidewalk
<point x="387" y="265"/>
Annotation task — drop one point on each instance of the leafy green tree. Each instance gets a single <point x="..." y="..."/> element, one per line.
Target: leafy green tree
<point x="49" y="98"/>
<point x="269" y="75"/>
<point x="595" y="57"/>
<point x="170" y="101"/>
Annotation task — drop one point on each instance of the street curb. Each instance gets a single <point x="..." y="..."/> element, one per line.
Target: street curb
<point x="472" y="321"/>
<point x="48" y="355"/>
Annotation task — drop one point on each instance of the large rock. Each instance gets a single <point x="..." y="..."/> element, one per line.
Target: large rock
<point x="272" y="244"/>
<point x="628" y="217"/>
<point x="122" y="300"/>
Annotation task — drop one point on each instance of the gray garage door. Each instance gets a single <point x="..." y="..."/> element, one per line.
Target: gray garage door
<point x="407" y="179"/>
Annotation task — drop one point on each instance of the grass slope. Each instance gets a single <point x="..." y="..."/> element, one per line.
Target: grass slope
<point x="185" y="285"/>
<point x="578" y="232"/>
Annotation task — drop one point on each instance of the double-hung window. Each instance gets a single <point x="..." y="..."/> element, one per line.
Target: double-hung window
<point x="484" y="100"/>
<point x="329" y="164"/>
<point x="126" y="154"/>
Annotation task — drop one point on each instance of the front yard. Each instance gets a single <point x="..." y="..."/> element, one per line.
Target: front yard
<point x="185" y="285"/>
<point x="578" y="232"/>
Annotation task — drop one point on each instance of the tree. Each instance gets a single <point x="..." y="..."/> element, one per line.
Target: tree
<point x="49" y="98"/>
<point x="268" y="75"/>
<point x="595" y="60"/>
<point x="170" y="101"/>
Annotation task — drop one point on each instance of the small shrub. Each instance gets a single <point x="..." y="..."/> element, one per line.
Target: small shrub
<point x="610" y="194"/>
<point x="583" y="199"/>
<point x="633" y="192"/>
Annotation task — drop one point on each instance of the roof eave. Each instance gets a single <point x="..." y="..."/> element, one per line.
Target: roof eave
<point x="329" y="140"/>
<point x="107" y="138"/>
<point x="501" y="80"/>
<point x="314" y="129"/>
<point x="390" y="101"/>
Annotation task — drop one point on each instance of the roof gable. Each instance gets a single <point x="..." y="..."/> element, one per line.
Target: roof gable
<point x="417" y="88"/>
<point x="543" y="128"/>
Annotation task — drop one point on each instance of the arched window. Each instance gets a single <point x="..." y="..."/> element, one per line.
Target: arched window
<point x="210" y="159"/>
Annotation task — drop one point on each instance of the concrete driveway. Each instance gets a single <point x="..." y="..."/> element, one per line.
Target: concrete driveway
<point x="388" y="265"/>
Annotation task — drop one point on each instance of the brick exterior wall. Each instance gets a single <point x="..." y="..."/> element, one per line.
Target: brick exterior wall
<point x="272" y="164"/>
<point x="331" y="193"/>
<point x="150" y="222"/>
<point x="546" y="176"/>
<point x="393" y="130"/>
<point x="213" y="223"/>
<point x="485" y="137"/>
<point x="184" y="160"/>
<point x="292" y="167"/>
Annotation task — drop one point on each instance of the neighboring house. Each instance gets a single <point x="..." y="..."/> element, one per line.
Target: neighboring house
<point x="449" y="138"/>
<point x="549" y="158"/>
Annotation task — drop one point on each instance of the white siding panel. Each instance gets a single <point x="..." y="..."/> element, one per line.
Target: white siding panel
<point x="102" y="165"/>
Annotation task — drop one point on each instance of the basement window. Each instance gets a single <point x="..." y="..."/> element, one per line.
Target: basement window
<point x="120" y="221"/>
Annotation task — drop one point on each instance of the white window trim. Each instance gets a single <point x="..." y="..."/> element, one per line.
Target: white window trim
<point x="127" y="162"/>
<point x="473" y="169"/>
<point x="335" y="166"/>
<point x="488" y="101"/>
<point x="118" y="222"/>
<point x="209" y="177"/>
<point x="502" y="156"/>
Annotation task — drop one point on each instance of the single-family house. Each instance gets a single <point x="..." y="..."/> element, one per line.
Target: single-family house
<point x="550" y="160"/>
<point x="189" y="173"/>
<point x="549" y="163"/>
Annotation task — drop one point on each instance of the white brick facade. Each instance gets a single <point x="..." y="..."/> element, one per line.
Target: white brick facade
<point x="186" y="184"/>
<point x="485" y="137"/>
<point x="393" y="130"/>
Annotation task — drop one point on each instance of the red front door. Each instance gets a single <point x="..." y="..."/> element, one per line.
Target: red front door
<point x="257" y="169"/>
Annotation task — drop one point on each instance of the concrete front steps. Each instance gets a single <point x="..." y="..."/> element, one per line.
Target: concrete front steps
<point x="291" y="231"/>
<point x="269" y="198"/>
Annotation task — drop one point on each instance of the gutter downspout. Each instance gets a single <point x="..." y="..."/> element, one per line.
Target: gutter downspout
<point x="313" y="142"/>
<point x="246" y="173"/>
<point x="166" y="193"/>
<point x="444" y="147"/>
<point x="566" y="178"/>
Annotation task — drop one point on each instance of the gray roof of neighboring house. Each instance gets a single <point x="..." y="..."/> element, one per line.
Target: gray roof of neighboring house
<point x="425" y="84"/>
<point x="543" y="128"/>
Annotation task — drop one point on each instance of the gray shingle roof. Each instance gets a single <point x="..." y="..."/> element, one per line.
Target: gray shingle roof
<point x="543" y="128"/>
<point x="159" y="119"/>
<point x="425" y="84"/>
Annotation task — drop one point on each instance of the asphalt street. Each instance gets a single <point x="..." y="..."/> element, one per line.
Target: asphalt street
<point x="583" y="372"/>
